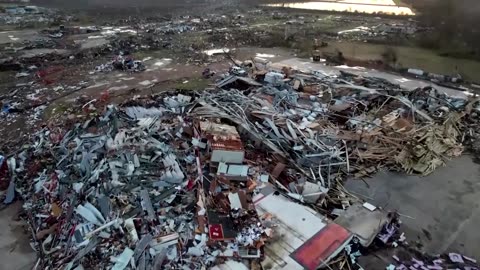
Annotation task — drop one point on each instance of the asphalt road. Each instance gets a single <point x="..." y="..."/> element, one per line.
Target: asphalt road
<point x="444" y="204"/>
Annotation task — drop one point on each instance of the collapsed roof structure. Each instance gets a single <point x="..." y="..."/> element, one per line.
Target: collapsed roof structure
<point x="194" y="180"/>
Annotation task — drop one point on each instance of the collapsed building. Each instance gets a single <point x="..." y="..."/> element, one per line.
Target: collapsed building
<point x="248" y="177"/>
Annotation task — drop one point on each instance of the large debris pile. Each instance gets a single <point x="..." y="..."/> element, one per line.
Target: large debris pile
<point x="335" y="124"/>
<point x="189" y="181"/>
<point x="99" y="193"/>
<point x="472" y="129"/>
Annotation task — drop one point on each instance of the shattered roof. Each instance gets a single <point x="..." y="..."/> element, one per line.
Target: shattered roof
<point x="231" y="79"/>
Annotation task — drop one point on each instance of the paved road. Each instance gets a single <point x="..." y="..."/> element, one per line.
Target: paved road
<point x="445" y="203"/>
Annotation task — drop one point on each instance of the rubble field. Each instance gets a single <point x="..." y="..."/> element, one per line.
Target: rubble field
<point x="189" y="142"/>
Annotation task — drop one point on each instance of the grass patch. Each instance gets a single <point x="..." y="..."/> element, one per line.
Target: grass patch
<point x="398" y="2"/>
<point x="6" y="81"/>
<point x="192" y="84"/>
<point x="198" y="40"/>
<point x="262" y="20"/>
<point x="82" y="20"/>
<point x="55" y="111"/>
<point x="6" y="75"/>
<point x="410" y="57"/>
<point x="155" y="54"/>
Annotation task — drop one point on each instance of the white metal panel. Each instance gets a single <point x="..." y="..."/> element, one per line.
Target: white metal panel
<point x="241" y="170"/>
<point x="295" y="224"/>
<point x="234" y="200"/>
<point x="284" y="242"/>
<point x="222" y="168"/>
<point x="299" y="218"/>
<point x="227" y="156"/>
<point x="230" y="265"/>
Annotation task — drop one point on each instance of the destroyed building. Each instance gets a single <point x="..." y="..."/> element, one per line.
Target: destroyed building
<point x="177" y="186"/>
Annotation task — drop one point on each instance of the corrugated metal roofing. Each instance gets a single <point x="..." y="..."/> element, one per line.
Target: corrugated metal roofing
<point x="307" y="239"/>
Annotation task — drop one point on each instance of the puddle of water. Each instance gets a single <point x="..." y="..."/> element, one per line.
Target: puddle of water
<point x="13" y="38"/>
<point x="362" y="6"/>
<point x="402" y="80"/>
<point x="349" y="67"/>
<point x="163" y="62"/>
<point x="97" y="85"/>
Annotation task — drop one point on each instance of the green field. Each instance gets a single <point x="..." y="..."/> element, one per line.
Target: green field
<point x="410" y="57"/>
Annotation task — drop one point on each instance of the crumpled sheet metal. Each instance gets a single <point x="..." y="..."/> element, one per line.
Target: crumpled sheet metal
<point x="105" y="162"/>
<point x="124" y="188"/>
<point x="296" y="128"/>
<point x="285" y="135"/>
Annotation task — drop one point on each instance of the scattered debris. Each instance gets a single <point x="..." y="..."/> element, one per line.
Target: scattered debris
<point x="124" y="62"/>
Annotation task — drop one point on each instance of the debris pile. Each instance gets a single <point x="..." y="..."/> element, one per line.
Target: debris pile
<point x="446" y="261"/>
<point x="383" y="30"/>
<point x="333" y="124"/>
<point x="193" y="180"/>
<point x="123" y="61"/>
<point x="25" y="15"/>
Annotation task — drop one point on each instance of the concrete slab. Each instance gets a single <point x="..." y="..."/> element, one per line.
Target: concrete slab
<point x="365" y="224"/>
<point x="445" y="203"/>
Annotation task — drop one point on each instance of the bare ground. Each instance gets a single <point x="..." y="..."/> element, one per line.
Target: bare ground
<point x="15" y="250"/>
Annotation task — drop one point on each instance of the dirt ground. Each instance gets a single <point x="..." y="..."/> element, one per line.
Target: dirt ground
<point x="15" y="250"/>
